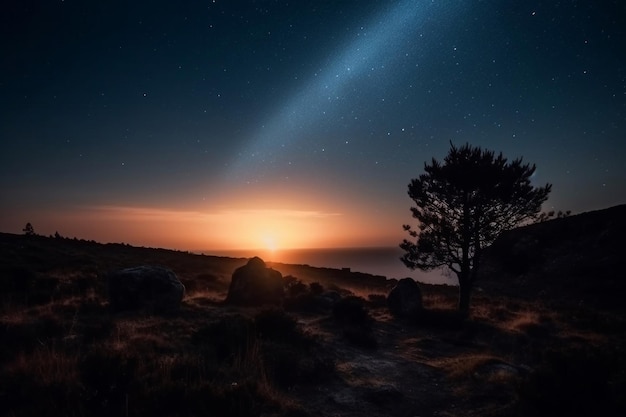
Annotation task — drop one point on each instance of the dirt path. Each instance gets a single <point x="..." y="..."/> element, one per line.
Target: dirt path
<point x="389" y="380"/>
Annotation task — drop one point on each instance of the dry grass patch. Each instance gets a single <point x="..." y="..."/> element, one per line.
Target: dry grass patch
<point x="154" y="366"/>
<point x="366" y="292"/>
<point x="478" y="366"/>
<point x="204" y="298"/>
<point x="439" y="302"/>
<point x="483" y="383"/>
<point x="47" y="365"/>
<point x="533" y="323"/>
<point x="44" y="381"/>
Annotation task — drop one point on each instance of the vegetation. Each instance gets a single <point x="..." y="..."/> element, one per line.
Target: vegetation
<point x="462" y="205"/>
<point x="64" y="352"/>
<point x="354" y="319"/>
<point x="29" y="230"/>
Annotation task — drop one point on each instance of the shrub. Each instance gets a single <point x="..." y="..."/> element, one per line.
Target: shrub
<point x="290" y="356"/>
<point x="355" y="320"/>
<point x="295" y="287"/>
<point x="316" y="288"/>
<point x="303" y="303"/>
<point x="351" y="310"/>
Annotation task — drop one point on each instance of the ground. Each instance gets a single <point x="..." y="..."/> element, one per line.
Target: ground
<point x="65" y="353"/>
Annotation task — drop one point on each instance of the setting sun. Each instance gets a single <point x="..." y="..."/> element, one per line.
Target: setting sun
<point x="270" y="242"/>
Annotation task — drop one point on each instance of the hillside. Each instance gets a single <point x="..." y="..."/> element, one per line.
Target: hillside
<point x="576" y="260"/>
<point x="44" y="266"/>
<point x="64" y="351"/>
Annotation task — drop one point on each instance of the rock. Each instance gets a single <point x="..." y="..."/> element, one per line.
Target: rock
<point x="148" y="287"/>
<point x="255" y="284"/>
<point x="405" y="299"/>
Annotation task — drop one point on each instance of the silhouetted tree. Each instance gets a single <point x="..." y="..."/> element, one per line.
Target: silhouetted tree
<point x="28" y="230"/>
<point x="462" y="205"/>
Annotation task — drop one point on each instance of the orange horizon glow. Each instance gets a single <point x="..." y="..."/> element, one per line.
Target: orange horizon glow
<point x="228" y="229"/>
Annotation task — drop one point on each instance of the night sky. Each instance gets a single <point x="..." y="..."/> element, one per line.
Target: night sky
<point x="241" y="124"/>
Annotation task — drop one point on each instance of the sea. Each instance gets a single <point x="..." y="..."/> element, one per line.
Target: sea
<point x="383" y="261"/>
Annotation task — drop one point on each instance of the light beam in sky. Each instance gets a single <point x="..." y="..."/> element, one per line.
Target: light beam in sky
<point x="367" y="58"/>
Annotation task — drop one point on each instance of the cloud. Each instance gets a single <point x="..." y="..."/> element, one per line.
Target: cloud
<point x="156" y="214"/>
<point x="230" y="228"/>
<point x="283" y="213"/>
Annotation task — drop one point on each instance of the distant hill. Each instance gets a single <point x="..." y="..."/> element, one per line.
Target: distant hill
<point x="577" y="260"/>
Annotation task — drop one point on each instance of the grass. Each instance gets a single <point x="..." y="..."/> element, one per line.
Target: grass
<point x="76" y="358"/>
<point x="145" y="365"/>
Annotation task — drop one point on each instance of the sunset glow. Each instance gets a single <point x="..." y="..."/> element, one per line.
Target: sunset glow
<point x="268" y="229"/>
<point x="226" y="229"/>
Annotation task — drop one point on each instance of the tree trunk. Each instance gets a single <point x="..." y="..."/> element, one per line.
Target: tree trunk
<point x="465" y="278"/>
<point x="465" y="289"/>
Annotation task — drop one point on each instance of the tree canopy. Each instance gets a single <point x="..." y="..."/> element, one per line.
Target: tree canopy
<point x="462" y="204"/>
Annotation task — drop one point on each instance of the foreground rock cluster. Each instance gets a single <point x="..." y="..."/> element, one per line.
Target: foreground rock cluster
<point x="157" y="290"/>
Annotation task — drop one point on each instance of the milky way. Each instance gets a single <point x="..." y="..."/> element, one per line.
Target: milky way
<point x="370" y="60"/>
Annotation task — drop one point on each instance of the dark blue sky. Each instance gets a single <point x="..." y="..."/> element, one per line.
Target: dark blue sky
<point x="297" y="109"/>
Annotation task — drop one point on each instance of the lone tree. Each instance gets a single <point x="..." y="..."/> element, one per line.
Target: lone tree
<point x="462" y="205"/>
<point x="28" y="230"/>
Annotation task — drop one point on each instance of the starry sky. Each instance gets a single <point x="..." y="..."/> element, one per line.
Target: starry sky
<point x="284" y="124"/>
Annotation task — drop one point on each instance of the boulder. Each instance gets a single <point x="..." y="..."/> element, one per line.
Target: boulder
<point x="255" y="284"/>
<point x="405" y="299"/>
<point x="148" y="287"/>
